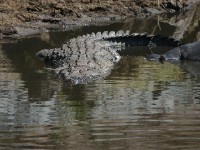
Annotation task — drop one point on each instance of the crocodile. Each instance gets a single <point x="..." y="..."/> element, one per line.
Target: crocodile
<point x="93" y="56"/>
<point x="190" y="51"/>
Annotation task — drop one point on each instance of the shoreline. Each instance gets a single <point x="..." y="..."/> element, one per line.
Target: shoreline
<point x="37" y="19"/>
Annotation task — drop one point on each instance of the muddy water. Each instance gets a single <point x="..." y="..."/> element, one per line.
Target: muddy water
<point x="140" y="105"/>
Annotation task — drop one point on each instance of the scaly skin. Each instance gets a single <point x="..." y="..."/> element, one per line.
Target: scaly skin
<point x="92" y="56"/>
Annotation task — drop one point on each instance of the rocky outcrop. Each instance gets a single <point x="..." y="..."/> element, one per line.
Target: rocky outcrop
<point x="93" y="56"/>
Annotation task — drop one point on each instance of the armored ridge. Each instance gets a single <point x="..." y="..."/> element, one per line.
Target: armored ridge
<point x="92" y="56"/>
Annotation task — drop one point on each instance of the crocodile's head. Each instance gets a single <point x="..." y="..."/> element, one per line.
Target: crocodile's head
<point x="172" y="55"/>
<point x="155" y="57"/>
<point x="50" y="58"/>
<point x="42" y="54"/>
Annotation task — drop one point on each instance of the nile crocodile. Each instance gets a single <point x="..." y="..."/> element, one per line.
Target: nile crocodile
<point x="92" y="56"/>
<point x="190" y="51"/>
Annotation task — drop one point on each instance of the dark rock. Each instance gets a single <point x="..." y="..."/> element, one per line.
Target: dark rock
<point x="176" y="6"/>
<point x="98" y="9"/>
<point x="51" y="20"/>
<point x="66" y="12"/>
<point x="8" y="31"/>
<point x="33" y="9"/>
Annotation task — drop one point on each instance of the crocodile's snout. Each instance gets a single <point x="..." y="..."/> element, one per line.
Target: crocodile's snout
<point x="42" y="54"/>
<point x="153" y="57"/>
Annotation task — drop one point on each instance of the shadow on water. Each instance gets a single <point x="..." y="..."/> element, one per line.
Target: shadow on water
<point x="141" y="104"/>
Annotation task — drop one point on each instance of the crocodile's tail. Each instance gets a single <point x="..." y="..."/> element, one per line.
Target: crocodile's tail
<point x="141" y="39"/>
<point x="134" y="39"/>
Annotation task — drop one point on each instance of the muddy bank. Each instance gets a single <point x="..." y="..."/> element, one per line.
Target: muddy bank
<point x="27" y="17"/>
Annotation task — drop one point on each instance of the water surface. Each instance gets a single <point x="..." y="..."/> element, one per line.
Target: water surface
<point x="140" y="105"/>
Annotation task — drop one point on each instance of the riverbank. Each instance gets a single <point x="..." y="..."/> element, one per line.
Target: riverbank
<point x="26" y="17"/>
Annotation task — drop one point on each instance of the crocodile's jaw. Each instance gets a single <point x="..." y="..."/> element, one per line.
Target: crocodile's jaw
<point x="152" y="57"/>
<point x="174" y="54"/>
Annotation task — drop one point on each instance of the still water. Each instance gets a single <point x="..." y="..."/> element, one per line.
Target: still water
<point x="140" y="105"/>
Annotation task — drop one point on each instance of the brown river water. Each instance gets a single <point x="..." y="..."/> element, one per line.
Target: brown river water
<point x="140" y="105"/>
